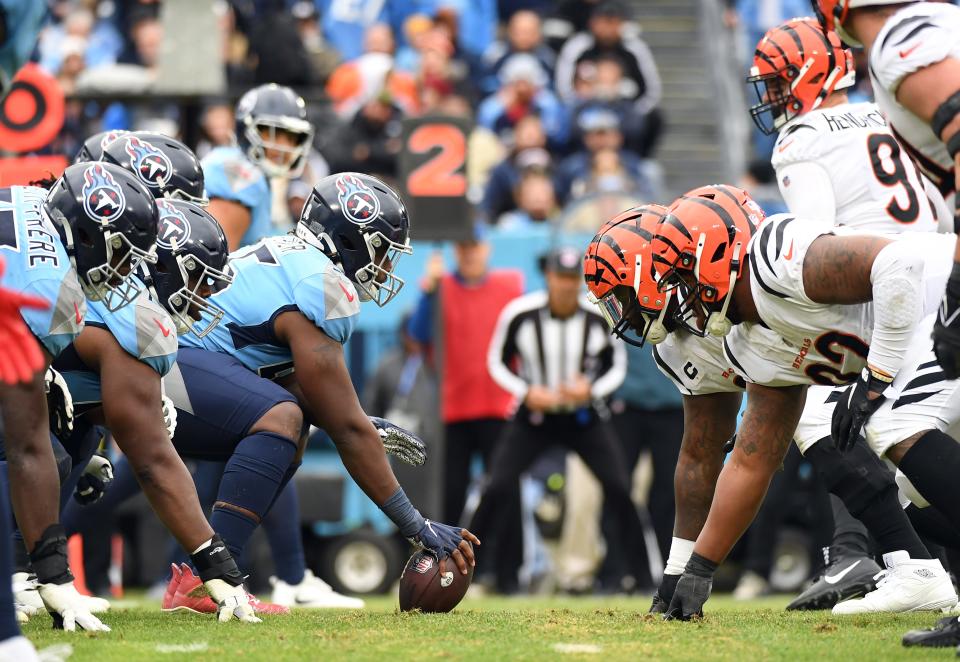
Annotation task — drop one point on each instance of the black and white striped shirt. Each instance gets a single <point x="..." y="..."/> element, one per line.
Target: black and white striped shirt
<point x="532" y="347"/>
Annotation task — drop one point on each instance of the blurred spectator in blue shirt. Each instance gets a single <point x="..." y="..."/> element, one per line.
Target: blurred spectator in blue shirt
<point x="535" y="199"/>
<point x="523" y="93"/>
<point x="601" y="132"/>
<point x="523" y="35"/>
<point x="345" y="22"/>
<point x="527" y="151"/>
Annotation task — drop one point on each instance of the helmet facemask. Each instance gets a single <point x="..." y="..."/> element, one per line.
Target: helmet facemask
<point x="700" y="309"/>
<point x="776" y="103"/>
<point x="622" y="310"/>
<point x="376" y="281"/>
<point x="295" y="157"/>
<point x="113" y="281"/>
<point x="189" y="305"/>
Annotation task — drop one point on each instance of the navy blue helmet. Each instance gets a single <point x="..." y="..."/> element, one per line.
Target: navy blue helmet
<point x="362" y="225"/>
<point x="107" y="221"/>
<point x="261" y="114"/>
<point x="92" y="148"/>
<point x="191" y="265"/>
<point x="163" y="164"/>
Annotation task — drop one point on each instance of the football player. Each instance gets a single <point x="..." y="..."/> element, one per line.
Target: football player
<point x="836" y="162"/>
<point x="67" y="253"/>
<point x="712" y="391"/>
<point x="293" y="303"/>
<point x="914" y="55"/>
<point x="167" y="167"/>
<point x="20" y="360"/>
<point x="273" y="139"/>
<point x="114" y="369"/>
<point x="854" y="308"/>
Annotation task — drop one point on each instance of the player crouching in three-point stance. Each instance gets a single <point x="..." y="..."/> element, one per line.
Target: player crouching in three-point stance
<point x="619" y="273"/>
<point x="855" y="308"/>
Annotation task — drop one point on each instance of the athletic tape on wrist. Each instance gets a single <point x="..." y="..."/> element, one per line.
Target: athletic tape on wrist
<point x="49" y="557"/>
<point x="214" y="561"/>
<point x="402" y="513"/>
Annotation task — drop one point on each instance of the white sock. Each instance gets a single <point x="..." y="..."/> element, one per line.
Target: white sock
<point x="680" y="551"/>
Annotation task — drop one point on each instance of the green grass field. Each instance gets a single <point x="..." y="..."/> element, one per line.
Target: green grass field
<point x="495" y="628"/>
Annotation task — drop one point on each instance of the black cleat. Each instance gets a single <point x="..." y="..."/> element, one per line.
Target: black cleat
<point x="945" y="633"/>
<point x="843" y="579"/>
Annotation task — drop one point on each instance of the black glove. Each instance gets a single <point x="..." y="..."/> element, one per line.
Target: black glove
<point x="664" y="594"/>
<point x="692" y="590"/>
<point x="854" y="409"/>
<point x="946" y="330"/>
<point x="95" y="480"/>
<point x="438" y="539"/>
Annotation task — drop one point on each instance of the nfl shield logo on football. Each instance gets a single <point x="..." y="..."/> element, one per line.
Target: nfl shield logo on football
<point x="103" y="198"/>
<point x="357" y="202"/>
<point x="172" y="230"/>
<point x="152" y="166"/>
<point x="424" y="563"/>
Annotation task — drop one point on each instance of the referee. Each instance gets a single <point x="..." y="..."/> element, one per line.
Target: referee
<point x="552" y="351"/>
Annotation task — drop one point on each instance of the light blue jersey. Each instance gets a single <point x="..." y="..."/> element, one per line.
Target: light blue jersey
<point x="278" y="275"/>
<point x="145" y="331"/>
<point x="230" y="175"/>
<point x="38" y="264"/>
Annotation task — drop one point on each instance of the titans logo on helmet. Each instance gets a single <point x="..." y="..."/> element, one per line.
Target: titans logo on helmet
<point x="109" y="137"/>
<point x="357" y="202"/>
<point x="172" y="229"/>
<point x="102" y="197"/>
<point x="151" y="165"/>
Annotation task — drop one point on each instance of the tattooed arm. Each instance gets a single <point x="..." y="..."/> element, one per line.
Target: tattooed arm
<point x="765" y="433"/>
<point x="836" y="269"/>
<point x="709" y="421"/>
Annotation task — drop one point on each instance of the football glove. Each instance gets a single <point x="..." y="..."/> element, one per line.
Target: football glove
<point x="946" y="334"/>
<point x="95" y="480"/>
<point x="440" y="540"/>
<point x="169" y="415"/>
<point x="693" y="589"/>
<point x="69" y="609"/>
<point x="59" y="404"/>
<point x="855" y="408"/>
<point x="664" y="594"/>
<point x="401" y="443"/>
<point x="223" y="581"/>
<point x="232" y="601"/>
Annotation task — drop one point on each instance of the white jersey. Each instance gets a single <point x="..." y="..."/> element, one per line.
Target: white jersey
<point x="831" y="340"/>
<point x="698" y="366"/>
<point x="842" y="164"/>
<point x="917" y="36"/>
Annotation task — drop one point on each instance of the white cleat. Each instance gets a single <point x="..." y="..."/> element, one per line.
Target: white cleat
<point x="311" y="593"/>
<point x="906" y="585"/>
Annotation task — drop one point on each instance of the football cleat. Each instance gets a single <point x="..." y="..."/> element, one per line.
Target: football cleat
<point x="166" y="604"/>
<point x="906" y="585"/>
<point x="945" y="633"/>
<point x="843" y="578"/>
<point x="191" y="595"/>
<point x="312" y="593"/>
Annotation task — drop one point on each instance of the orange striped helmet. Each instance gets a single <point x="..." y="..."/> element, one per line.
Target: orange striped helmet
<point x="832" y="14"/>
<point x="699" y="248"/>
<point x="618" y="268"/>
<point x="795" y="67"/>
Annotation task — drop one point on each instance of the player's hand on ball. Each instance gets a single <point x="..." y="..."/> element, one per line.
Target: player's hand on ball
<point x="70" y="610"/>
<point x="400" y="443"/>
<point x="688" y="598"/>
<point x="443" y="540"/>
<point x="95" y="480"/>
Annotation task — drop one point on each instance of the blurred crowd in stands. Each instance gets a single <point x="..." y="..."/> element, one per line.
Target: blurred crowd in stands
<point x="563" y="96"/>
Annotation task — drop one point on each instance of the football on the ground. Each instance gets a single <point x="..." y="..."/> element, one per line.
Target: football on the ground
<point x="423" y="586"/>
